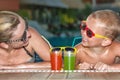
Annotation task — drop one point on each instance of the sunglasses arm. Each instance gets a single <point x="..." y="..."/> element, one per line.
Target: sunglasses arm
<point x="100" y="36"/>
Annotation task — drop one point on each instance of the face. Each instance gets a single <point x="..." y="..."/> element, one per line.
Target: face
<point x="20" y="37"/>
<point x="92" y="34"/>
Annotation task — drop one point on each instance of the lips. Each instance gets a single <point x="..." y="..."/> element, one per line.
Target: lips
<point x="84" y="39"/>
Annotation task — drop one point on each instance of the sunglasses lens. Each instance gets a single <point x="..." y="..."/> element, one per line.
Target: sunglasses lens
<point x="70" y="49"/>
<point x="56" y="49"/>
<point x="24" y="36"/>
<point x="89" y="33"/>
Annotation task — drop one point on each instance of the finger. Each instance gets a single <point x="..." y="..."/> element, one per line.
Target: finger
<point x="91" y="66"/>
<point x="84" y="66"/>
<point x="101" y="66"/>
<point x="98" y="66"/>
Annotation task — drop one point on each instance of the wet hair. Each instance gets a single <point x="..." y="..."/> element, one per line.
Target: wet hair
<point x="111" y="21"/>
<point x="8" y="23"/>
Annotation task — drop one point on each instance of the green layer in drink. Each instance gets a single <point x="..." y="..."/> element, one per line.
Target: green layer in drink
<point x="69" y="62"/>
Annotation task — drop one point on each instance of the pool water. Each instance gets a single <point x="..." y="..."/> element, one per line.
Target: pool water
<point x="67" y="41"/>
<point x="59" y="42"/>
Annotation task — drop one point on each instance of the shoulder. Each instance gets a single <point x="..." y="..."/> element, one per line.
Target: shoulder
<point x="34" y="34"/>
<point x="33" y="31"/>
<point x="37" y="37"/>
<point x="78" y="47"/>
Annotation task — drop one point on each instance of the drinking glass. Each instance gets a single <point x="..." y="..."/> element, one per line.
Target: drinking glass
<point x="56" y="59"/>
<point x="69" y="58"/>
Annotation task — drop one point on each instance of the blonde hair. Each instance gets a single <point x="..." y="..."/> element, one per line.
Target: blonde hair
<point x="8" y="23"/>
<point x="110" y="19"/>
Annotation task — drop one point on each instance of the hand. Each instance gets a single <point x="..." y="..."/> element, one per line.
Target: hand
<point x="101" y="66"/>
<point x="85" y="66"/>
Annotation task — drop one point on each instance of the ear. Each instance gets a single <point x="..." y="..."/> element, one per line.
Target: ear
<point x="4" y="45"/>
<point x="106" y="42"/>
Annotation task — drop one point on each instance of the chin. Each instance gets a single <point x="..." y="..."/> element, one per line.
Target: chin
<point x="85" y="44"/>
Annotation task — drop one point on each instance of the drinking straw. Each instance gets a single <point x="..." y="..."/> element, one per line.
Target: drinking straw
<point x="75" y="40"/>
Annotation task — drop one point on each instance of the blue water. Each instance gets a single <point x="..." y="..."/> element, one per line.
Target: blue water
<point x="67" y="41"/>
<point x="58" y="42"/>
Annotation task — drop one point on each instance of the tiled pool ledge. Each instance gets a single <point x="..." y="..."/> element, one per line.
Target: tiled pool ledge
<point x="37" y="70"/>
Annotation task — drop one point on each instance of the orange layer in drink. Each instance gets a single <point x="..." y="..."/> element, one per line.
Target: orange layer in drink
<point x="56" y="61"/>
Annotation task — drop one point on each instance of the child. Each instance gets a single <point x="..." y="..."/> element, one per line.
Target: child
<point x="99" y="48"/>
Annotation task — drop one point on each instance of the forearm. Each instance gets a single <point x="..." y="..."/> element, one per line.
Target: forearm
<point x="27" y="65"/>
<point x="114" y="67"/>
<point x="103" y="66"/>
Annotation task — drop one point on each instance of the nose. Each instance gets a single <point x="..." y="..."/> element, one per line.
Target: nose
<point x="83" y="32"/>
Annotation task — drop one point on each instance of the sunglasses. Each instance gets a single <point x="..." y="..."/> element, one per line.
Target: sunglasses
<point x="89" y="32"/>
<point x="63" y="49"/>
<point x="24" y="36"/>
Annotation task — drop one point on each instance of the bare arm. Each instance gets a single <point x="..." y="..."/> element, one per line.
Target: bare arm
<point x="40" y="45"/>
<point x="40" y="65"/>
<point x="116" y="52"/>
<point x="77" y="62"/>
<point x="103" y="66"/>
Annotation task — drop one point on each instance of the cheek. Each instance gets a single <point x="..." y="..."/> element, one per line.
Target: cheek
<point x="16" y="45"/>
<point x="91" y="42"/>
<point x="95" y="42"/>
<point x="83" y="33"/>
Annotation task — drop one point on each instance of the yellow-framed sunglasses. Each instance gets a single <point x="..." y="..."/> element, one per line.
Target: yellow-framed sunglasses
<point x="72" y="49"/>
<point x="89" y="32"/>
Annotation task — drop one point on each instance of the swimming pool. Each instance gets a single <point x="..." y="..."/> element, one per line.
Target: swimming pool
<point x="59" y="42"/>
<point x="67" y="41"/>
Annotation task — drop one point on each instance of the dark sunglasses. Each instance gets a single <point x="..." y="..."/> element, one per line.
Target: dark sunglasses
<point x="89" y="32"/>
<point x="63" y="48"/>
